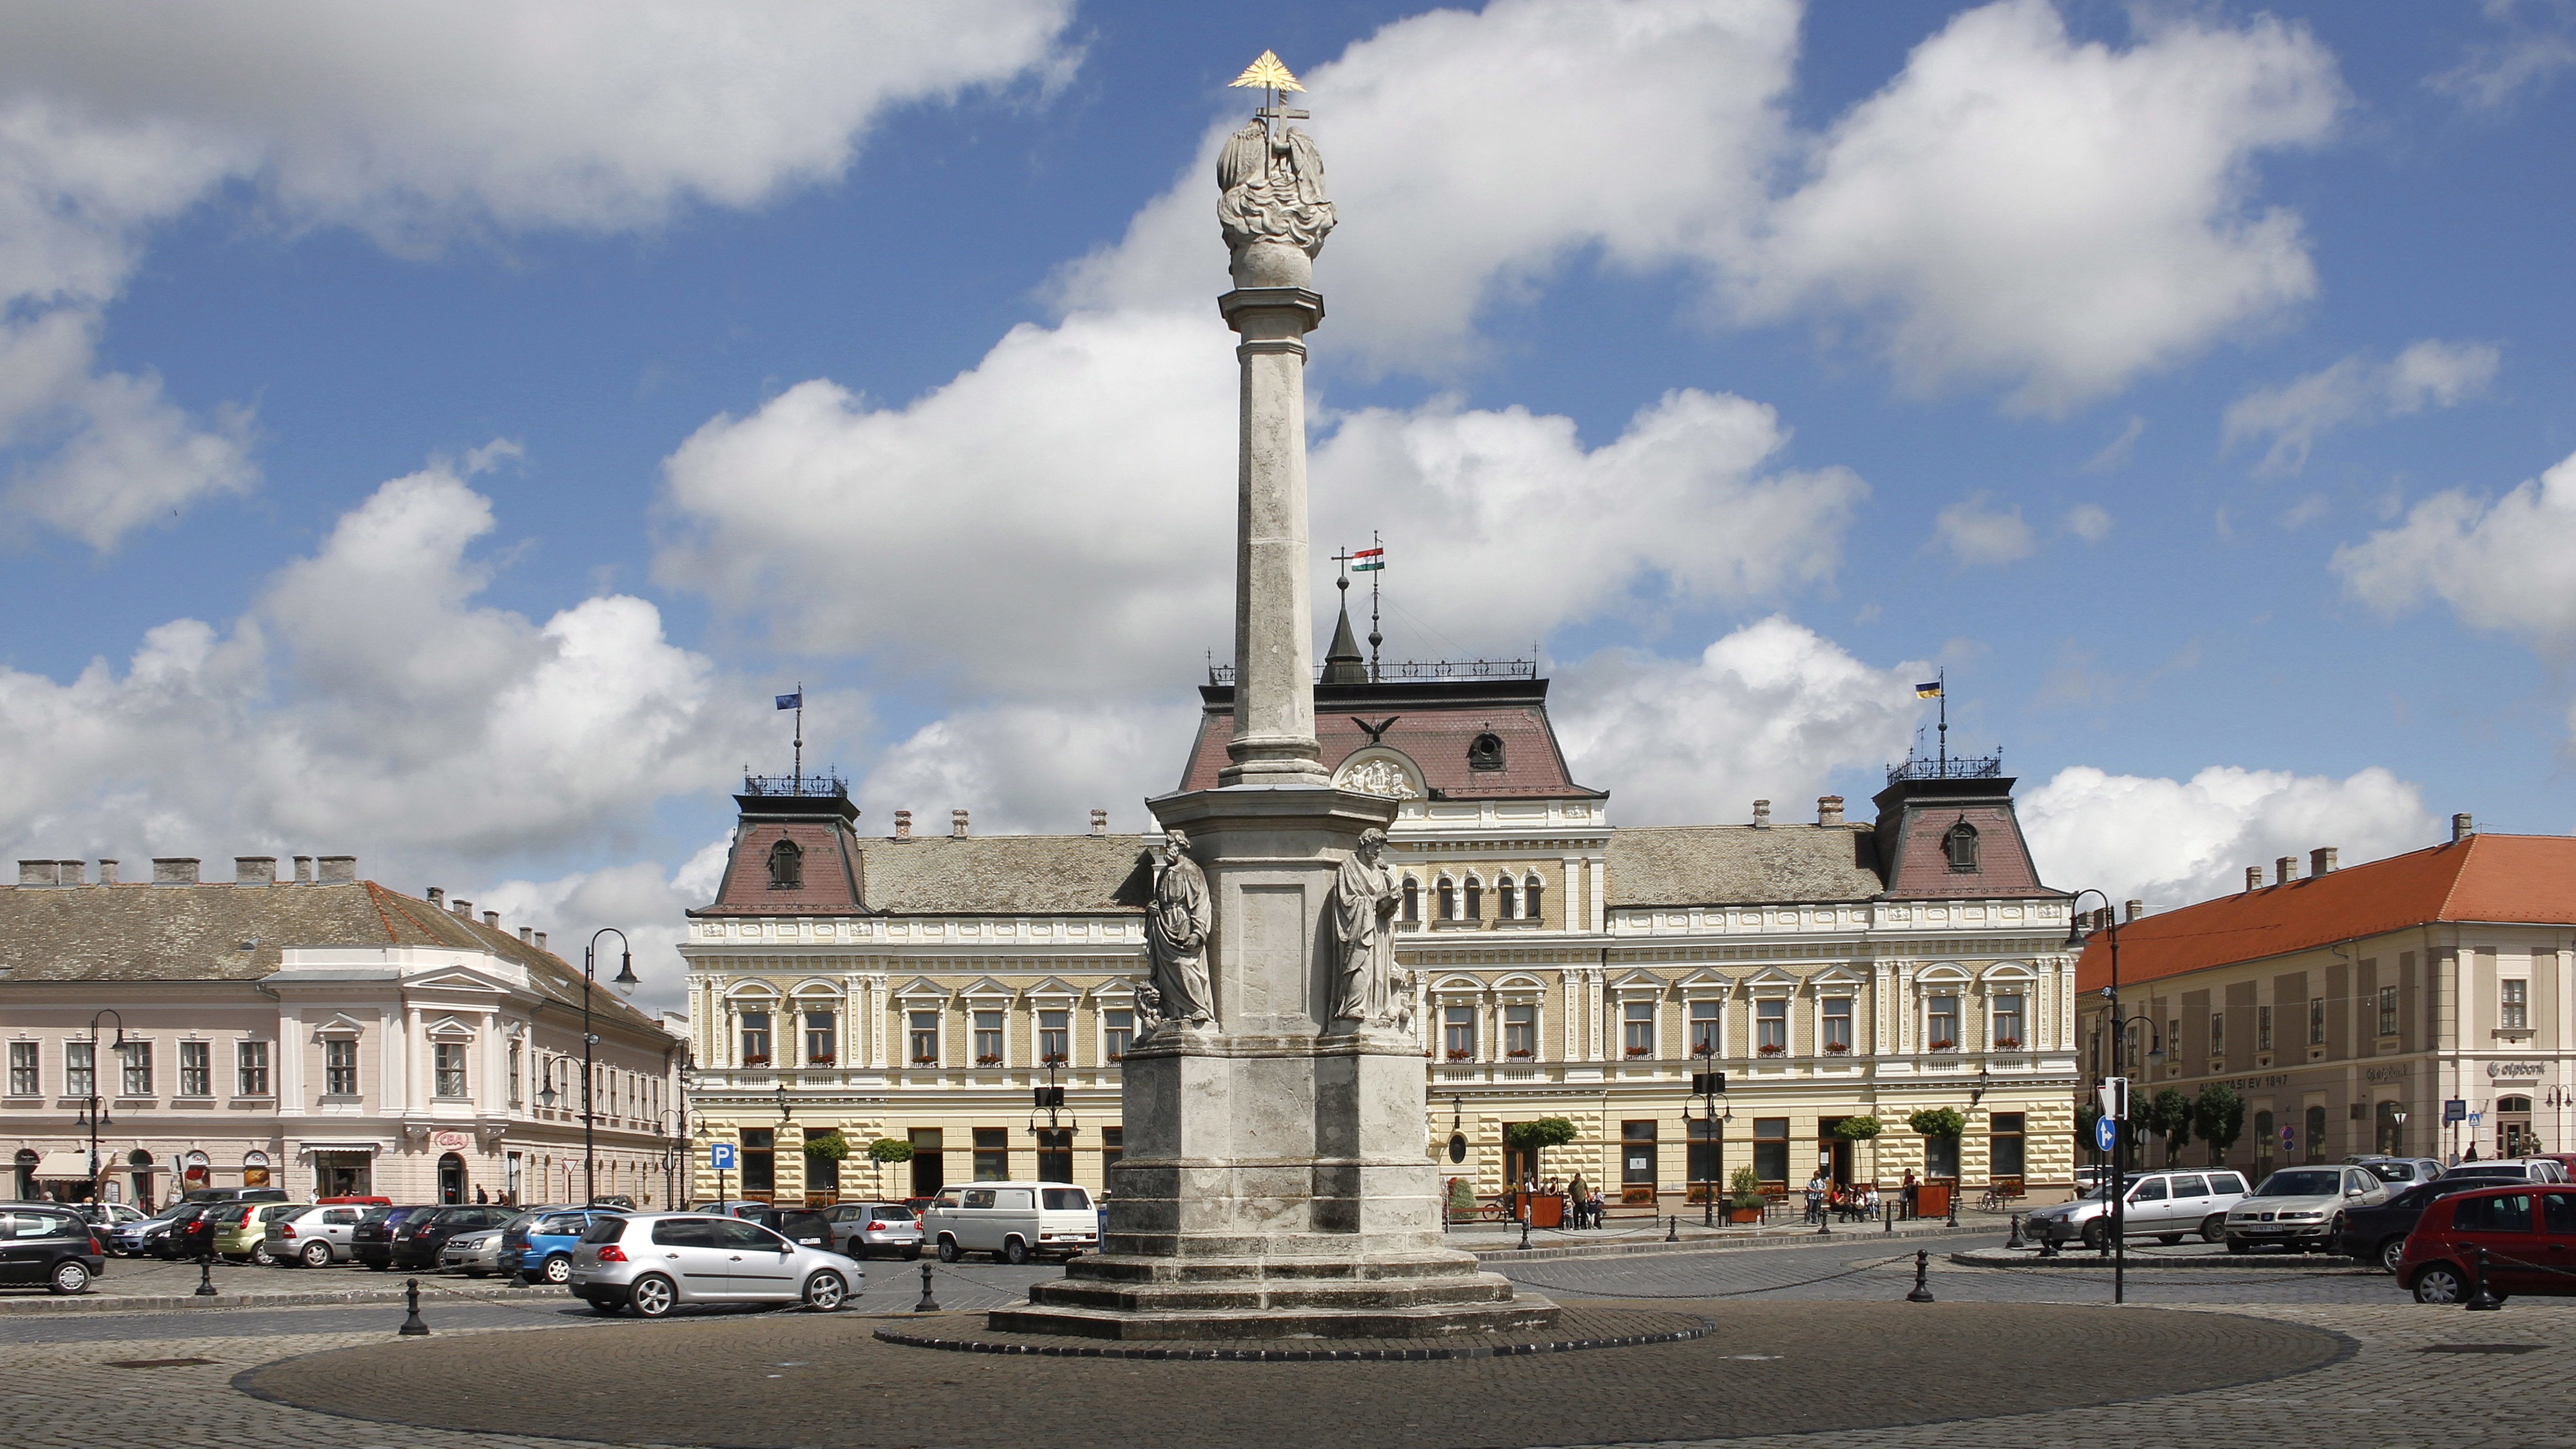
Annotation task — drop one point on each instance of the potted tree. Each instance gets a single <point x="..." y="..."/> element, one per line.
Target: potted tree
<point x="885" y="1150"/>
<point x="1535" y="1137"/>
<point x="1862" y="1129"/>
<point x="1744" y="1198"/>
<point x="824" y="1153"/>
<point x="1937" y="1125"/>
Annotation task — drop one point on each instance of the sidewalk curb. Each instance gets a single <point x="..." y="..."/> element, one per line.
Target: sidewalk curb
<point x="109" y="1303"/>
<point x="1793" y="1238"/>
<point x="2203" y="1263"/>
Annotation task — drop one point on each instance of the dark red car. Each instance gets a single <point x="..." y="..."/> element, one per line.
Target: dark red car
<point x="2521" y="1237"/>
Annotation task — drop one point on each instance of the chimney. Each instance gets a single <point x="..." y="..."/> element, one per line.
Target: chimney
<point x="107" y="873"/>
<point x="461" y="907"/>
<point x="304" y="870"/>
<point x="174" y="870"/>
<point x="337" y="869"/>
<point x="2321" y="861"/>
<point x="1100" y="822"/>
<point x="2462" y="827"/>
<point x="72" y="871"/>
<point x="2137" y="909"/>
<point x="2253" y="877"/>
<point x="2285" y="869"/>
<point x="258" y="870"/>
<point x="527" y="936"/>
<point x="40" y="872"/>
<point x="957" y="825"/>
<point x="1829" y="810"/>
<point x="903" y="825"/>
<point x="438" y="897"/>
<point x="492" y="919"/>
<point x="541" y="940"/>
<point x="1761" y="814"/>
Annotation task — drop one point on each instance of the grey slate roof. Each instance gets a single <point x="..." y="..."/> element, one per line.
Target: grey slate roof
<point x="1707" y="865"/>
<point x="212" y="932"/>
<point x="1005" y="874"/>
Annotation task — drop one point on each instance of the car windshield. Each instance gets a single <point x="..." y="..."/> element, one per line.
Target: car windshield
<point x="2302" y="1182"/>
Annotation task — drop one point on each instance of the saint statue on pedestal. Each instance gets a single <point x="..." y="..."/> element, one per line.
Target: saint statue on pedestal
<point x="1176" y="932"/>
<point x="1364" y="904"/>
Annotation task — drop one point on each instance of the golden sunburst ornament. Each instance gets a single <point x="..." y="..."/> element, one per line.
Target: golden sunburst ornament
<point x="1267" y="72"/>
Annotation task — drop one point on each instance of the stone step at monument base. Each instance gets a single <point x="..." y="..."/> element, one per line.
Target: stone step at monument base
<point x="1521" y="1315"/>
<point x="1275" y="1293"/>
<point x="1283" y="1246"/>
<point x="1120" y="1269"/>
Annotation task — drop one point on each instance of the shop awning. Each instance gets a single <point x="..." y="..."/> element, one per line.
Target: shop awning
<point x="69" y="1166"/>
<point x="367" y="1148"/>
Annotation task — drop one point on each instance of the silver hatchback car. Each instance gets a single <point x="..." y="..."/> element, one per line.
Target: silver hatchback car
<point x="656" y="1262"/>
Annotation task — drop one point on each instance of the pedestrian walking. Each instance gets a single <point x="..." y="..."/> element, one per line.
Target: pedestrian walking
<point x="1578" y="1199"/>
<point x="1909" y="1188"/>
<point x="1816" y="1189"/>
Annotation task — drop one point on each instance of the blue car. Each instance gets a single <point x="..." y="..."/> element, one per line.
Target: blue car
<point x="538" y="1246"/>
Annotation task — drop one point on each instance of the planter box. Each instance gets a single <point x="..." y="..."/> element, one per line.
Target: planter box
<point x="1744" y="1215"/>
<point x="1636" y="1197"/>
<point x="1543" y="1209"/>
<point x="1932" y="1200"/>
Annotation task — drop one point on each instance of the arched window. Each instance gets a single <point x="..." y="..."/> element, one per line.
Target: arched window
<point x="1412" y="901"/>
<point x="1485" y="752"/>
<point x="1961" y="845"/>
<point x="1448" y="895"/>
<point x="1530" y="898"/>
<point x="1507" y="900"/>
<point x="2512" y="1104"/>
<point x="786" y="866"/>
<point x="1475" y="899"/>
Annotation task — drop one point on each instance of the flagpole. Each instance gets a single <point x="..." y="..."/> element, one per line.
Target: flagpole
<point x="1944" y="676"/>
<point x="799" y="786"/>
<point x="1375" y="637"/>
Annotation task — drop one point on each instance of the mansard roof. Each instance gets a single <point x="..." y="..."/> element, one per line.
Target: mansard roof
<point x="1435" y="721"/>
<point x="1708" y="865"/>
<point x="937" y="875"/>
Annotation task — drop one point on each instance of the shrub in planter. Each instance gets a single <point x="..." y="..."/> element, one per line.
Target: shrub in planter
<point x="1858" y="1129"/>
<point x="1461" y="1054"/>
<point x="1636" y="1197"/>
<point x="1837" y="1049"/>
<point x="1944" y="1045"/>
<point x="988" y="1061"/>
<point x="925" y="1061"/>
<point x="1773" y="1049"/>
<point x="1518" y="1053"/>
<point x="2007" y="1043"/>
<point x="1536" y="1136"/>
<point x="1640" y="1051"/>
<point x="890" y="1149"/>
<point x="1052" y="1059"/>
<point x="1744" y="1196"/>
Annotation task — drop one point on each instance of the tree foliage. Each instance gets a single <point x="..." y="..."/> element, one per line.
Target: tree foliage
<point x="2168" y="1115"/>
<point x="2218" y="1115"/>
<point x="1938" y="1122"/>
<point x="1859" y="1129"/>
<point x="890" y="1149"/>
<point x="828" y="1146"/>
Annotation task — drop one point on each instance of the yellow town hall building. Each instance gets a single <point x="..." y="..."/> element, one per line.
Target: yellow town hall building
<point x="919" y="986"/>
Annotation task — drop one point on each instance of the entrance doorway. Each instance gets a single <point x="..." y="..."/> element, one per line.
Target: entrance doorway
<point x="1833" y="1152"/>
<point x="2514" y="1136"/>
<point x="451" y="1178"/>
<point x="929" y="1174"/>
<point x="339" y="1174"/>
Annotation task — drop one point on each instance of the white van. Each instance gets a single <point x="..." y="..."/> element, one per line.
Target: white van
<point x="1013" y="1221"/>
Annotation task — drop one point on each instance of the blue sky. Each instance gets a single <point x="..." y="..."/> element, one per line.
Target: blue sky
<point x="436" y="438"/>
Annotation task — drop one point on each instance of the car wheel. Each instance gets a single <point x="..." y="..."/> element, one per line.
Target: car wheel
<point x="1014" y="1252"/>
<point x="825" y="1292"/>
<point x="558" y="1268"/>
<point x="2440" y="1283"/>
<point x="948" y="1250"/>
<point x="262" y="1257"/>
<point x="653" y="1296"/>
<point x="2390" y="1252"/>
<point x="912" y="1254"/>
<point x="2213" y="1228"/>
<point x="317" y="1255"/>
<point x="2097" y="1235"/>
<point x="71" y="1275"/>
<point x="2169" y="1239"/>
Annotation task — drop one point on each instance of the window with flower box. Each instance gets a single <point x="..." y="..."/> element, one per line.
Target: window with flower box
<point x="2008" y="1032"/>
<point x="1838" y="1025"/>
<point x="1458" y="1033"/>
<point x="1771" y="1027"/>
<point x="925" y="1038"/>
<point x="822" y="1039"/>
<point x="1055" y="1034"/>
<point x="1637" y="1028"/>
<point x="1520" y="1032"/>
<point x="988" y="1038"/>
<point x="755" y="1038"/>
<point x="1705" y="1028"/>
<point x="1118" y="1028"/>
<point x="1941" y="1023"/>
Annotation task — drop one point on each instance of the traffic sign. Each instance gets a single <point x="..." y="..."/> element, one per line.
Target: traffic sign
<point x="2106" y="1134"/>
<point x="2456" y="1110"/>
<point x="720" y="1157"/>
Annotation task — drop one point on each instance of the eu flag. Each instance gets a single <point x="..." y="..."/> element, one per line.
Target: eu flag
<point x="792" y="701"/>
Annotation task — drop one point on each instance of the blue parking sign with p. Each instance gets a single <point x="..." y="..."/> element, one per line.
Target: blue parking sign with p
<point x="720" y="1157"/>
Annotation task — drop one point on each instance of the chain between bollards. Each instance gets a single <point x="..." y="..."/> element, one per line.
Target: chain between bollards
<point x="412" y="1327"/>
<point x="206" y="1276"/>
<point x="2482" y="1300"/>
<point x="927" y="1304"/>
<point x="1922" y="1278"/>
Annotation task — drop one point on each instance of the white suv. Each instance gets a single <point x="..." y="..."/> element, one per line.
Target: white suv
<point x="1013" y="1221"/>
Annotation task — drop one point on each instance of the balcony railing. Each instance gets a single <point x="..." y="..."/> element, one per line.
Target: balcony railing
<point x="1956" y="767"/>
<point x="827" y="786"/>
<point x="1411" y="670"/>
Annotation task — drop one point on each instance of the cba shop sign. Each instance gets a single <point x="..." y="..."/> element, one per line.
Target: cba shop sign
<point x="450" y="1141"/>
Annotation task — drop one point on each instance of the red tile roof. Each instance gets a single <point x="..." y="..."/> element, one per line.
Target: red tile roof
<point x="2502" y="878"/>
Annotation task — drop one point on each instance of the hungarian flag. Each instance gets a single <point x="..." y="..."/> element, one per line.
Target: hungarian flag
<point x="1367" y="559"/>
<point x="1928" y="691"/>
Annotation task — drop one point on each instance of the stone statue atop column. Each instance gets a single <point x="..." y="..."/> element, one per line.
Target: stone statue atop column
<point x="1273" y="213"/>
<point x="1176" y="932"/>
<point x="1364" y="904"/>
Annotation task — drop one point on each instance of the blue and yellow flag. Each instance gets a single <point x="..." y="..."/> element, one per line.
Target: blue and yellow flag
<point x="1928" y="691"/>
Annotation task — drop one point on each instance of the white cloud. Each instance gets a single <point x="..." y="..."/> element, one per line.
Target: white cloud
<point x="2293" y="416"/>
<point x="2538" y="41"/>
<point x="415" y="124"/>
<point x="1039" y="768"/>
<point x="1977" y="535"/>
<point x="2173" y="842"/>
<point x="2090" y="522"/>
<point x="1089" y="465"/>
<point x="639" y="898"/>
<point x="1770" y="711"/>
<point x="2507" y="565"/>
<point x="2055" y="215"/>
<point x="2115" y="454"/>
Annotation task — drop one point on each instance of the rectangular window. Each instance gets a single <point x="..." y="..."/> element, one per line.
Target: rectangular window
<point x="1458" y="1032"/>
<point x="1506" y="901"/>
<point x="1475" y="900"/>
<point x="26" y="1076"/>
<point x="992" y="1153"/>
<point x="80" y="1073"/>
<point x="2008" y="1033"/>
<point x="1637" y="1154"/>
<point x="1113" y="1145"/>
<point x="1941" y="1023"/>
<point x="2316" y="1021"/>
<point x="988" y="1038"/>
<point x="251" y="1068"/>
<point x="2262" y="1028"/>
<point x="1771" y="1149"/>
<point x="2514" y="1008"/>
<point x="1770" y="1027"/>
<point x="822" y="1040"/>
<point x="2262" y="1143"/>
<point x="518" y="1079"/>
<point x="2005" y="1145"/>
<point x="1706" y="1034"/>
<point x="1119" y="1029"/>
<point x="925" y="1038"/>
<point x="1707" y="1154"/>
<point x="340" y="1068"/>
<point x="138" y="1070"/>
<point x="1838" y="1017"/>
<point x="448" y="1069"/>
<point x="1520" y="1032"/>
<point x="2218" y="1032"/>
<point x="1055" y="1154"/>
<point x="1055" y="1033"/>
<point x="1637" y="1027"/>
<point x="2388" y="1011"/>
<point x="196" y="1069"/>
<point x="759" y="1160"/>
<point x="755" y="1038"/>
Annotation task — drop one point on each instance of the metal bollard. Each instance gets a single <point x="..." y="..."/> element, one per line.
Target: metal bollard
<point x="927" y="1304"/>
<point x="1525" y="1217"/>
<point x="1673" y="1234"/>
<point x="1954" y="1206"/>
<point x="412" y="1327"/>
<point x="2015" y="1241"/>
<point x="2047" y="1243"/>
<point x="2481" y="1300"/>
<point x="206" y="1276"/>
<point x="1887" y="1215"/>
<point x="1824" y="1219"/>
<point x="1922" y="1278"/>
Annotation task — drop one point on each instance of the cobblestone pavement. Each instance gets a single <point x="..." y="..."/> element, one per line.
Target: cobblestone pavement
<point x="2387" y="1390"/>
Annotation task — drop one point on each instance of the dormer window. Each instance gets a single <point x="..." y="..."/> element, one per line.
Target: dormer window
<point x="1485" y="752"/>
<point x="1960" y="844"/>
<point x="786" y="866"/>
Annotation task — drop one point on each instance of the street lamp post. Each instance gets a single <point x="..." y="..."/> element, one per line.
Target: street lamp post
<point x="96" y="1117"/>
<point x="1709" y="1086"/>
<point x="2119" y="1035"/>
<point x="625" y="979"/>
